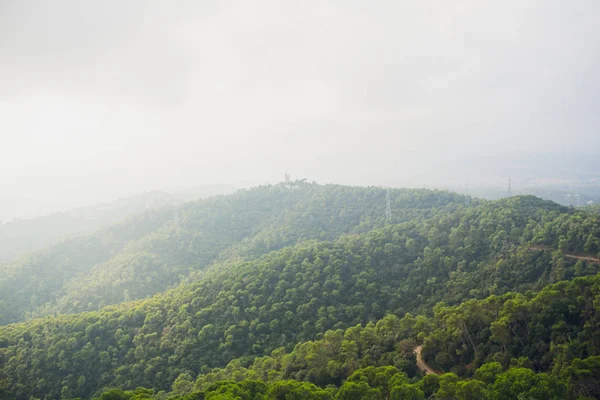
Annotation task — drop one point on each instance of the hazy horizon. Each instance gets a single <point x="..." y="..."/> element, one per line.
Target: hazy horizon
<point x="104" y="100"/>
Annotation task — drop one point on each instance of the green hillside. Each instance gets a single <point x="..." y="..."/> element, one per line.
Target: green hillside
<point x="151" y="252"/>
<point x="377" y="361"/>
<point x="39" y="277"/>
<point x="249" y="305"/>
<point x="542" y="345"/>
<point x="23" y="235"/>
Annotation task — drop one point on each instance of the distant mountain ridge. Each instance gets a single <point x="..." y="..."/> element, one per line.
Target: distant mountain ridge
<point x="338" y="264"/>
<point x="23" y="235"/>
<point x="148" y="253"/>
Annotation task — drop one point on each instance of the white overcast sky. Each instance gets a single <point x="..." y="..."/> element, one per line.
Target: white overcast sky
<point x="101" y="99"/>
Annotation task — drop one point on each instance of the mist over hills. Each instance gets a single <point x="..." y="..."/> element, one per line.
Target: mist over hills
<point x="21" y="235"/>
<point x="251" y="282"/>
<point x="565" y="178"/>
<point x="450" y="251"/>
<point x="165" y="245"/>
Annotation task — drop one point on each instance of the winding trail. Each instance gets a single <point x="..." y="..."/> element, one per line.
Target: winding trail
<point x="568" y="255"/>
<point x="422" y="365"/>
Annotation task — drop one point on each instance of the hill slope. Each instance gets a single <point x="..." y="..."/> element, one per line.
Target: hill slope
<point x="112" y="266"/>
<point x="502" y="347"/>
<point x="21" y="236"/>
<point x="249" y="308"/>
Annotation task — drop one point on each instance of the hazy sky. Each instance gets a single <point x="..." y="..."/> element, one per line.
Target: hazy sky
<point x="100" y="99"/>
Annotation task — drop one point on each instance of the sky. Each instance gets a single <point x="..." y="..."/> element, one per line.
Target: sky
<point x="105" y="99"/>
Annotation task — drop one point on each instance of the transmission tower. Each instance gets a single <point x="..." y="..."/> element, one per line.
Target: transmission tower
<point x="509" y="190"/>
<point x="467" y="199"/>
<point x="388" y="206"/>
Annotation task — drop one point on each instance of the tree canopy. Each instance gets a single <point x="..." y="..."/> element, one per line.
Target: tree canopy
<point x="313" y="293"/>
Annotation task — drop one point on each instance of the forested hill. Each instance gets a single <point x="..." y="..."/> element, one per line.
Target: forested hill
<point x="20" y="236"/>
<point x="148" y="253"/>
<point x="244" y="308"/>
<point x="513" y="346"/>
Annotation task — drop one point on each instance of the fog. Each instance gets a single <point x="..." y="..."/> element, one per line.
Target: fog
<point x="106" y="99"/>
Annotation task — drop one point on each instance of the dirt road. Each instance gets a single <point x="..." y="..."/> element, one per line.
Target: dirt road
<point x="568" y="255"/>
<point x="421" y="364"/>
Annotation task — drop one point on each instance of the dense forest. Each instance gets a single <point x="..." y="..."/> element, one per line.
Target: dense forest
<point x="310" y="291"/>
<point x="148" y="253"/>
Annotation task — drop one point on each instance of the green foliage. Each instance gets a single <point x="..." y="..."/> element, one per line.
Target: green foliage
<point x="515" y="383"/>
<point x="358" y="390"/>
<point x="584" y="377"/>
<point x="38" y="278"/>
<point x="151" y="252"/>
<point x="406" y="392"/>
<point x="118" y="394"/>
<point x="335" y="309"/>
<point x="543" y="332"/>
<point x="524" y="383"/>
<point x="21" y="236"/>
<point x="488" y="372"/>
<point x="289" y="389"/>
<point x="334" y="358"/>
